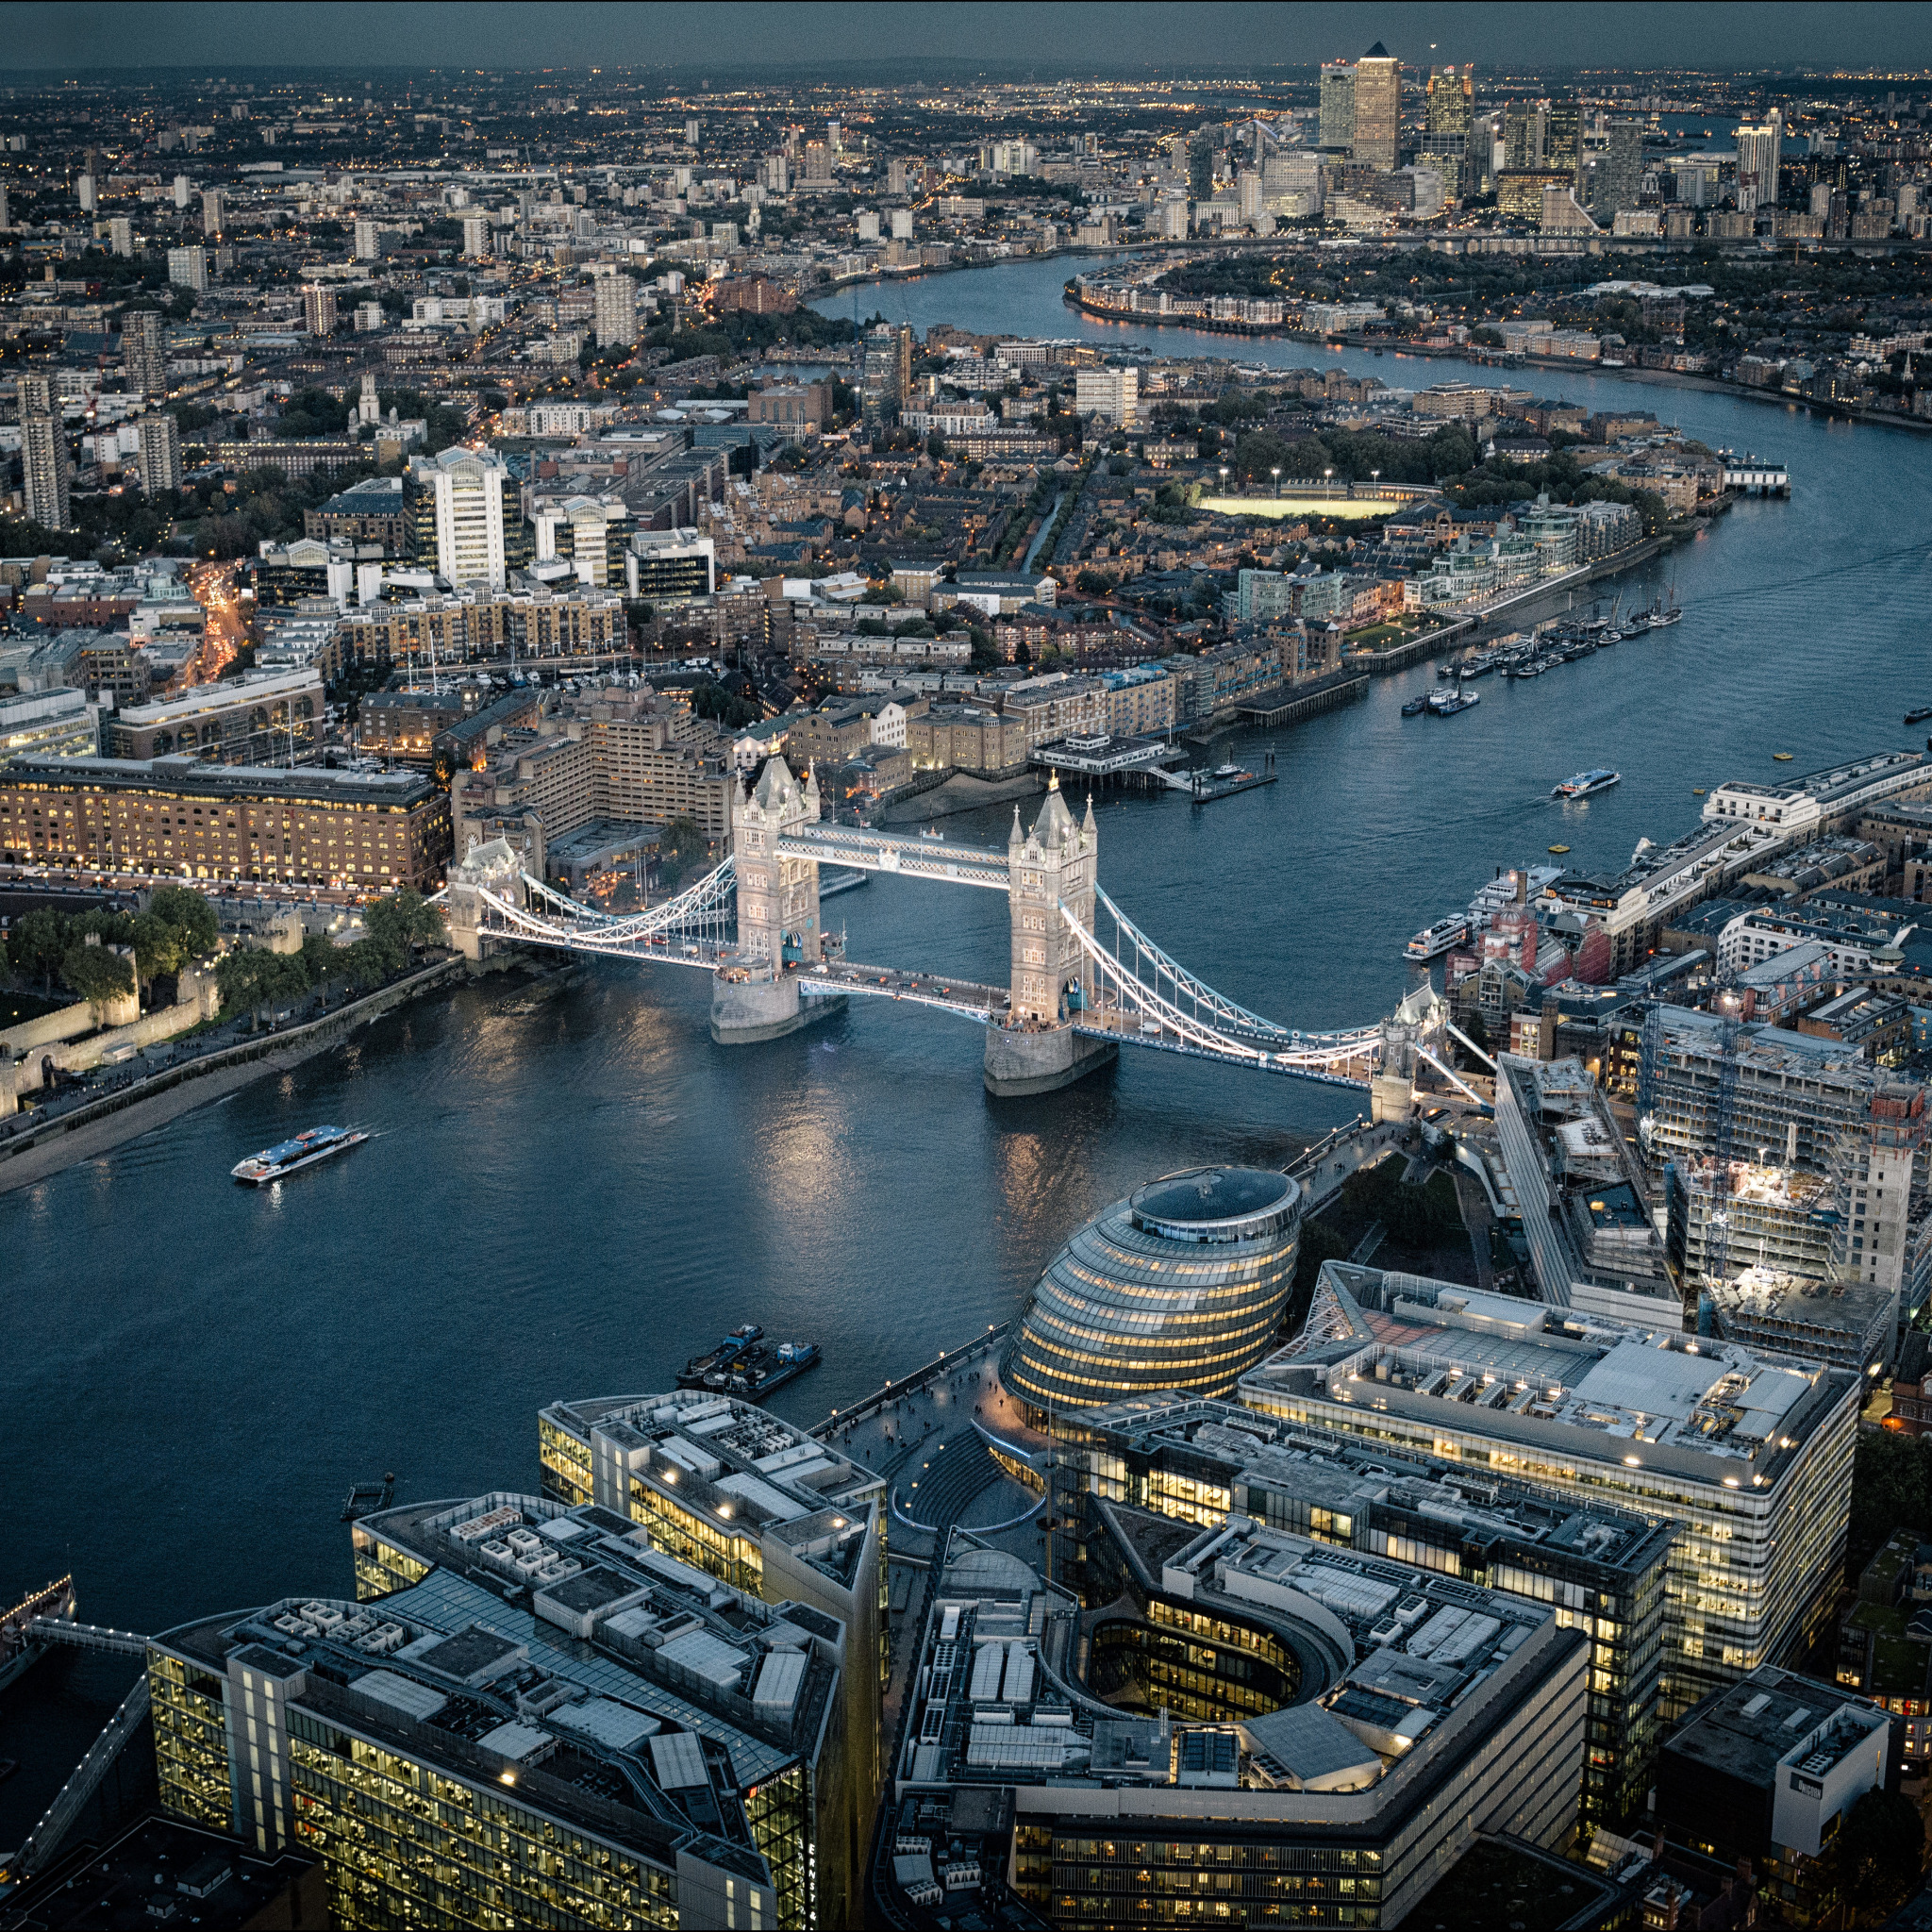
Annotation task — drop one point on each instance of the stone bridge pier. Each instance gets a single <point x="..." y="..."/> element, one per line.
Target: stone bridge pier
<point x="1037" y="1049"/>
<point x="754" y="997"/>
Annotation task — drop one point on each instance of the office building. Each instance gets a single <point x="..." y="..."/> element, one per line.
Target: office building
<point x="319" y="310"/>
<point x="459" y="497"/>
<point x="1765" y="1772"/>
<point x="188" y="268"/>
<point x="371" y="511"/>
<point x="159" y="451"/>
<point x="1378" y="141"/>
<point x="616" y="312"/>
<point x="670" y="566"/>
<point x="1448" y="119"/>
<point x="181" y="817"/>
<point x="1562" y="139"/>
<point x="262" y="720"/>
<point x="1580" y="1195"/>
<point x="1210" y="1463"/>
<point x="1337" y="110"/>
<point x="1759" y="151"/>
<point x="56" y="724"/>
<point x="1748" y="1455"/>
<point x="43" y="468"/>
<point x="142" y="359"/>
<point x="1315" y="1788"/>
<point x="762" y="1507"/>
<point x="1181" y="1285"/>
<point x="212" y="222"/>
<point x="884" y="375"/>
<point x="1110" y="394"/>
<point x="477" y="238"/>
<point x="611" y="1738"/>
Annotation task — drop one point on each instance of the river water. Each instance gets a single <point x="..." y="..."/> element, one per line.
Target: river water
<point x="573" y="1201"/>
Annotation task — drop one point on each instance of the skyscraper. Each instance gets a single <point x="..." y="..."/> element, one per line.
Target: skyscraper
<point x="1377" y="107"/>
<point x="1447" y="122"/>
<point x="184" y="191"/>
<point x="141" y="353"/>
<point x="476" y="237"/>
<point x="367" y="247"/>
<point x="319" y="310"/>
<point x="188" y="268"/>
<point x="43" y="464"/>
<point x="120" y="235"/>
<point x="161" y="452"/>
<point x="886" y="375"/>
<point x="1613" y="169"/>
<point x="1757" y="164"/>
<point x="1563" y="137"/>
<point x="1338" y="107"/>
<point x="617" y="311"/>
<point x="1523" y="136"/>
<point x="213" y="214"/>
<point x="1451" y="104"/>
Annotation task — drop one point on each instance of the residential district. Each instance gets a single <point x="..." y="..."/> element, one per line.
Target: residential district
<point x="427" y="484"/>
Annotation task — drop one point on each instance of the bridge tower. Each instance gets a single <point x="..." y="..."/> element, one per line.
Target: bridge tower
<point x="777" y="894"/>
<point x="754" y="997"/>
<point x="1053" y="865"/>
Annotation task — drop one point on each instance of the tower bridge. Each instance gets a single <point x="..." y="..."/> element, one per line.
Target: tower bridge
<point x="1083" y="980"/>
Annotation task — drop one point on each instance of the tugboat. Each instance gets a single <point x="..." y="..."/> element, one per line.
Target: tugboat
<point x="291" y="1157"/>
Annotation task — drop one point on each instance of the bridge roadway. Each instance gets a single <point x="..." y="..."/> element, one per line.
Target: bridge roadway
<point x="913" y="859"/>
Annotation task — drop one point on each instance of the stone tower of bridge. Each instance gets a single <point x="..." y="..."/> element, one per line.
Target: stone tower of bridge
<point x="1051" y="865"/>
<point x="777" y="894"/>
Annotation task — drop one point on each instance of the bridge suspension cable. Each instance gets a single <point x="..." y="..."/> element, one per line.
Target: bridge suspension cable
<point x="1180" y="1013"/>
<point x="1151" y="978"/>
<point x="703" y="915"/>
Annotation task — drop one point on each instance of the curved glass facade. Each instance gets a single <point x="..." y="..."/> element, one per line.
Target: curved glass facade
<point x="1180" y="1286"/>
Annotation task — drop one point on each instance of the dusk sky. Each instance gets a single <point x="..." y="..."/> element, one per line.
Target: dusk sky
<point x="1195" y="38"/>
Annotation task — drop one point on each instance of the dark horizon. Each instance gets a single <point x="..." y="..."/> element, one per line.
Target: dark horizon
<point x="1874" y="42"/>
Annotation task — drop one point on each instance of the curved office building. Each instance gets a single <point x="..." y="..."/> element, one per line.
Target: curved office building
<point x="1180" y="1286"/>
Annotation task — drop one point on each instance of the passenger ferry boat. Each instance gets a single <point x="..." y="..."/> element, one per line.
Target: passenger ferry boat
<point x="291" y="1157"/>
<point x="1584" y="783"/>
<point x="1434" y="940"/>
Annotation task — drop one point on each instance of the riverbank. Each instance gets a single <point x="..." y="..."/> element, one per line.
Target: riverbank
<point x="961" y="793"/>
<point x="127" y="1114"/>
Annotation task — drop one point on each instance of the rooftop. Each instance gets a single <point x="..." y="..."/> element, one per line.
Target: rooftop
<point x="1584" y="1386"/>
<point x="192" y="777"/>
<point x="1774" y="1720"/>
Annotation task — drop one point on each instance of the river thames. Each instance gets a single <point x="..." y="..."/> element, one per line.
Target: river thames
<point x="572" y="1201"/>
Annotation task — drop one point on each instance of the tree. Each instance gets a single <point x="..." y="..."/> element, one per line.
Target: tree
<point x="396" y="923"/>
<point x="681" y="847"/>
<point x="97" y="976"/>
<point x="936" y="447"/>
<point x="41" y="942"/>
<point x="1880" y="1854"/>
